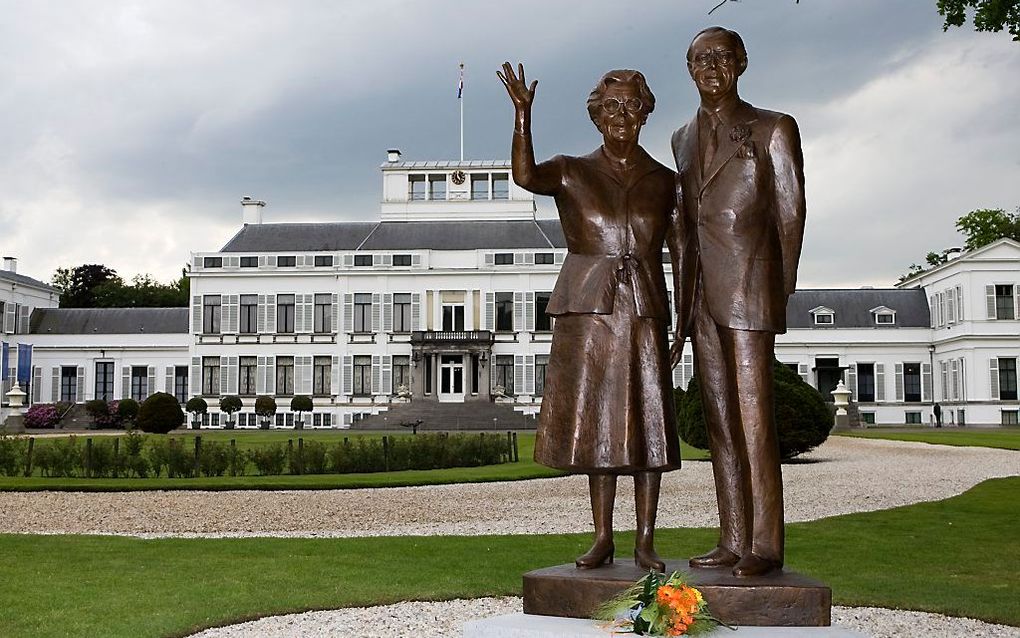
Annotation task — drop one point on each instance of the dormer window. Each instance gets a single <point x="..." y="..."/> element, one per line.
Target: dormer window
<point x="884" y="316"/>
<point x="823" y="316"/>
<point x="480" y="186"/>
<point x="212" y="262"/>
<point x="500" y="186"/>
<point x="437" y="187"/>
<point x="416" y="187"/>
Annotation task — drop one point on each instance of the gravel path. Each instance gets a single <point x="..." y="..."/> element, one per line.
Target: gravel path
<point x="844" y="475"/>
<point x="444" y="620"/>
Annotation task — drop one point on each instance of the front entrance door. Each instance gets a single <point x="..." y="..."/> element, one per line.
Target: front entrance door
<point x="104" y="380"/>
<point x="451" y="378"/>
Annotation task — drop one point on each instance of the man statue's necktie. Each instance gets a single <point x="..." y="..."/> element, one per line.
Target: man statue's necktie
<point x="711" y="144"/>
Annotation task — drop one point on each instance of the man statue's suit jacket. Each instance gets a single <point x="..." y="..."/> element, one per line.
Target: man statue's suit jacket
<point x="741" y="223"/>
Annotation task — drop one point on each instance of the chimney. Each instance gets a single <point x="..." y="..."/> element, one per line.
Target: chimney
<point x="11" y="264"/>
<point x="251" y="210"/>
<point x="393" y="155"/>
<point x="952" y="253"/>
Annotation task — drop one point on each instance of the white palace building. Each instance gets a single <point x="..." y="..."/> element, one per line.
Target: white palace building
<point x="442" y="300"/>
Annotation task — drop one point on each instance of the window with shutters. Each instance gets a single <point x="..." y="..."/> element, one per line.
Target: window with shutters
<point x="401" y="372"/>
<point x="503" y="259"/>
<point x="69" y="384"/>
<point x="211" y="376"/>
<point x="1007" y="379"/>
<point x="1004" y="305"/>
<point x="284" y="376"/>
<point x="104" y="380"/>
<point x="912" y="382"/>
<point x="285" y="314"/>
<point x="322" y="372"/>
<point x="323" y="313"/>
<point x="211" y="314"/>
<point x="212" y="262"/>
<point x="362" y="376"/>
<point x="401" y="260"/>
<point x="865" y="382"/>
<point x="248" y="319"/>
<point x="363" y="312"/>
<point x="139" y="383"/>
<point x="249" y="262"/>
<point x="363" y="260"/>
<point x="504" y="372"/>
<point x="543" y="258"/>
<point x="402" y="313"/>
<point x="247" y="374"/>
<point x="181" y="384"/>
<point x="504" y="312"/>
<point x="323" y="260"/>
<point x="286" y="261"/>
<point x="541" y="361"/>
<point x="543" y="322"/>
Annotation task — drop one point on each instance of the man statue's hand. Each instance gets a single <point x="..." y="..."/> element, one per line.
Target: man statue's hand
<point x="520" y="93"/>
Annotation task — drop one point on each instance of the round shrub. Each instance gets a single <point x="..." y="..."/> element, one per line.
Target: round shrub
<point x="229" y="405"/>
<point x="300" y="404"/>
<point x="196" y="405"/>
<point x="803" y="419"/>
<point x="160" y="413"/>
<point x="265" y="407"/>
<point x="127" y="409"/>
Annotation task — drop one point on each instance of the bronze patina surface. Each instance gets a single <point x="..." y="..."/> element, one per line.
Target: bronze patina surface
<point x="784" y="599"/>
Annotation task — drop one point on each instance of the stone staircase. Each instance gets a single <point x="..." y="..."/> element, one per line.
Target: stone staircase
<point x="473" y="415"/>
<point x="76" y="419"/>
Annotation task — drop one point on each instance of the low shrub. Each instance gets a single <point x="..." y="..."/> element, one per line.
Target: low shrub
<point x="61" y="457"/>
<point x="237" y="461"/>
<point x="312" y="457"/>
<point x="269" y="459"/>
<point x="131" y="460"/>
<point x="214" y="458"/>
<point x="180" y="460"/>
<point x="42" y="415"/>
<point x="12" y="454"/>
<point x="160" y="413"/>
<point x="101" y="462"/>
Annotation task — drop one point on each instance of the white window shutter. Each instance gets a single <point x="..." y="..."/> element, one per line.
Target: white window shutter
<point x="415" y="261"/>
<point x="309" y="313"/>
<point x="334" y="375"/>
<point x="11" y="317"/>
<point x="993" y="377"/>
<point x="489" y="259"/>
<point x="926" y="381"/>
<point x="519" y="312"/>
<point x="303" y="375"/>
<point x="898" y="381"/>
<point x="879" y="382"/>
<point x="492" y="373"/>
<point x="518" y="259"/>
<point x="959" y="303"/>
<point x="271" y="375"/>
<point x="348" y="312"/>
<point x="224" y="375"/>
<point x="416" y="311"/>
<point x="963" y="381"/>
<point x="230" y="313"/>
<point x="387" y="374"/>
<point x="79" y="395"/>
<point x="1016" y="301"/>
<point x="950" y="306"/>
<point x="168" y="381"/>
<point x="196" y="376"/>
<point x="931" y="310"/>
<point x="36" y="384"/>
<point x="489" y="314"/>
<point x="150" y="381"/>
<point x="299" y="313"/>
<point x="376" y="307"/>
<point x="851" y="380"/>
<point x="196" y="314"/>
<point x="387" y="260"/>
<point x="529" y="259"/>
<point x="387" y="313"/>
<point x="24" y="325"/>
<point x="802" y="370"/>
<point x="529" y="311"/>
<point x="334" y="318"/>
<point x="529" y="374"/>
<point x="55" y="385"/>
<point x="348" y="261"/>
<point x="125" y="382"/>
<point x="260" y="315"/>
<point x="270" y="313"/>
<point x="260" y="376"/>
<point x="519" y="374"/>
<point x="990" y="301"/>
<point x="942" y="308"/>
<point x="558" y="258"/>
<point x="678" y="376"/>
<point x="232" y="374"/>
<point x="348" y="374"/>
<point x="376" y="374"/>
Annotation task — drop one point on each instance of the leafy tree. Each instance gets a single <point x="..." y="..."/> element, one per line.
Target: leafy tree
<point x="985" y="225"/>
<point x="803" y="419"/>
<point x="989" y="15"/>
<point x="78" y="285"/>
<point x="96" y="286"/>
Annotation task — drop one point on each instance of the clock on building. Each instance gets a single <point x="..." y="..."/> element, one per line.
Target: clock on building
<point x="459" y="177"/>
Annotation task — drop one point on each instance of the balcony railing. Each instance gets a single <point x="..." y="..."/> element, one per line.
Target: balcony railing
<point x="449" y="336"/>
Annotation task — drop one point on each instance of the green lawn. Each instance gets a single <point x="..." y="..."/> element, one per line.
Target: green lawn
<point x="1002" y="438"/>
<point x="526" y="468"/>
<point x="957" y="556"/>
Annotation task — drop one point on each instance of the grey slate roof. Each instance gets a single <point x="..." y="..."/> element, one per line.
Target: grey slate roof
<point x="15" y="278"/>
<point x="853" y="307"/>
<point x="452" y="235"/>
<point x="404" y="165"/>
<point x="110" y="320"/>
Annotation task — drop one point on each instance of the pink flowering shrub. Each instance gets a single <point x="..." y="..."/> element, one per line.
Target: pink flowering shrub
<point x="42" y="415"/>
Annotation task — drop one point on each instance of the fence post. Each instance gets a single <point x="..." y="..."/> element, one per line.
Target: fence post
<point x="290" y="456"/>
<point x="28" y="456"/>
<point x="509" y="446"/>
<point x="233" y="455"/>
<point x="88" y="457"/>
<point x="198" y="452"/>
<point x="300" y="455"/>
<point x="386" y="453"/>
<point x="116" y="455"/>
<point x="516" y="455"/>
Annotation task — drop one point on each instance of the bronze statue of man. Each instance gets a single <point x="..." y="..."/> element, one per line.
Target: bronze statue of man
<point x="608" y="403"/>
<point x="741" y="200"/>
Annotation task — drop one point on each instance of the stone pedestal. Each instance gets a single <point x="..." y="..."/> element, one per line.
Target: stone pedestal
<point x="14" y="423"/>
<point x="786" y="599"/>
<point x="525" y="626"/>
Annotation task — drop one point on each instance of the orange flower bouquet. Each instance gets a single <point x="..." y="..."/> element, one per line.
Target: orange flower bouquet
<point x="659" y="605"/>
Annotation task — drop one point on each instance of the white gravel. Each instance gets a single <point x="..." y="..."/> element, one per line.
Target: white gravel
<point x="844" y="475"/>
<point x="444" y="620"/>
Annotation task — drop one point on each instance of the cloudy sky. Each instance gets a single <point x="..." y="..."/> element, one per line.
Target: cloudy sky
<point x="130" y="130"/>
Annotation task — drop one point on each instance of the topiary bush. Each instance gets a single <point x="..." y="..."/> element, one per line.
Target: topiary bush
<point x="127" y="410"/>
<point x="300" y="404"/>
<point x="229" y="405"/>
<point x="196" y="407"/>
<point x="160" y="413"/>
<point x="265" y="408"/>
<point x="803" y="420"/>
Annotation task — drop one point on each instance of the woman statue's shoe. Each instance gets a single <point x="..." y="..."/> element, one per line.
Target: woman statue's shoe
<point x="718" y="557"/>
<point x="752" y="565"/>
<point x="601" y="553"/>
<point x="646" y="558"/>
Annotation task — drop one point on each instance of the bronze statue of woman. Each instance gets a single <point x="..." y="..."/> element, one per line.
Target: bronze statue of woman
<point x="607" y="409"/>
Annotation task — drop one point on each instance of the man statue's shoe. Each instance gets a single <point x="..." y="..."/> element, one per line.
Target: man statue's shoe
<point x="752" y="565"/>
<point x="718" y="557"/>
<point x="646" y="558"/>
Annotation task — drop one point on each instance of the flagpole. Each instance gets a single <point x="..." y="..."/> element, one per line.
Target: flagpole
<point x="460" y="98"/>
